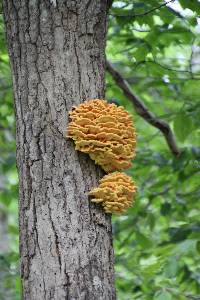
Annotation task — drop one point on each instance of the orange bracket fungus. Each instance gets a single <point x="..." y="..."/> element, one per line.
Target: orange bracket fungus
<point x="115" y="192"/>
<point x="105" y="131"/>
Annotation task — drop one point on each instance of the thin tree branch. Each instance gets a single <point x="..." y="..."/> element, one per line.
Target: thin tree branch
<point x="146" y="12"/>
<point x="154" y="78"/>
<point x="162" y="66"/>
<point x="143" y="111"/>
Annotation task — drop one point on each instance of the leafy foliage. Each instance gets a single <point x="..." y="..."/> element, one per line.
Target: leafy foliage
<point x="9" y="257"/>
<point x="157" y="243"/>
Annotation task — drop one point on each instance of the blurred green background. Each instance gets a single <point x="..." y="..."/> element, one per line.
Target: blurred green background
<point x="157" y="242"/>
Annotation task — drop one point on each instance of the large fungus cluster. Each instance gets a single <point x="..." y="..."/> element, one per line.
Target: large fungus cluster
<point x="104" y="131"/>
<point x="115" y="192"/>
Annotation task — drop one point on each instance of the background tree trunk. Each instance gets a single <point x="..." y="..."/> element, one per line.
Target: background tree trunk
<point x="56" y="49"/>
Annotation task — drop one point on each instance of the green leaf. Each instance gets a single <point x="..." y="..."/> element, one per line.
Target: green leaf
<point x="164" y="295"/>
<point x="171" y="267"/>
<point x="192" y="4"/>
<point x="193" y="21"/>
<point x="183" y="125"/>
<point x="143" y="240"/>
<point x="141" y="53"/>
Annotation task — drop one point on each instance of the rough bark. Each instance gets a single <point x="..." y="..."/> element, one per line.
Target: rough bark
<point x="56" y="50"/>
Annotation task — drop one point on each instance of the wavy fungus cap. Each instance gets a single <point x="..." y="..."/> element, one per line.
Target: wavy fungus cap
<point x="105" y="131"/>
<point x="115" y="192"/>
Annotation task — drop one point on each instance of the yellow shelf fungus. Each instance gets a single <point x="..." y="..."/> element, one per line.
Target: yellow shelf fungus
<point x="104" y="131"/>
<point x="115" y="192"/>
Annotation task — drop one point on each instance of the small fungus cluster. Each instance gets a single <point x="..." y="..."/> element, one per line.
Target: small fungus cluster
<point x="115" y="192"/>
<point x="106" y="132"/>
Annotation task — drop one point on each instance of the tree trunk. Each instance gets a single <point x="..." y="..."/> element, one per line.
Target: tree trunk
<point x="56" y="50"/>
